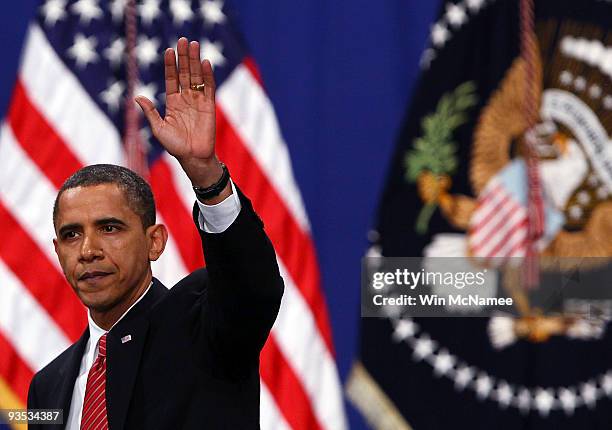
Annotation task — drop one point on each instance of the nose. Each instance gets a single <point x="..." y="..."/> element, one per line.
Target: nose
<point x="90" y="248"/>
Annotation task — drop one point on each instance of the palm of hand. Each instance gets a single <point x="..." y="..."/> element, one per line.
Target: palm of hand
<point x="188" y="128"/>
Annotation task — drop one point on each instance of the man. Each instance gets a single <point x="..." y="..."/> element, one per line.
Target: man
<point x="154" y="358"/>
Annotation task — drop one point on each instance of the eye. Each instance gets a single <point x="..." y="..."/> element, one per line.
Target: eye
<point x="110" y="228"/>
<point x="69" y="235"/>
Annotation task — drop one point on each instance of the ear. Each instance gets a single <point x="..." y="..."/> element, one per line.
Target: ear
<point x="158" y="236"/>
<point x="55" y="247"/>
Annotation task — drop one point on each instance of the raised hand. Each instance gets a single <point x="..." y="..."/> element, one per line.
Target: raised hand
<point x="188" y="130"/>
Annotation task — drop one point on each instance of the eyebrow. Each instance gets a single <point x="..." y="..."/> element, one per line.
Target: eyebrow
<point x="98" y="222"/>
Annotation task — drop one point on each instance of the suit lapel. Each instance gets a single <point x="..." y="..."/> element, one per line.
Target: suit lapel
<point x="122" y="368"/>
<point x="125" y="343"/>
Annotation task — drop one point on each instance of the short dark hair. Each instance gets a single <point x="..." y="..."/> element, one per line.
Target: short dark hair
<point x="136" y="190"/>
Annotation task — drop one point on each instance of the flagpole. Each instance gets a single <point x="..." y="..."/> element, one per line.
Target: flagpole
<point x="136" y="156"/>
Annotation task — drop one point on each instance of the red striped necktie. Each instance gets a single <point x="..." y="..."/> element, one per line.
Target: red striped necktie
<point x="94" y="405"/>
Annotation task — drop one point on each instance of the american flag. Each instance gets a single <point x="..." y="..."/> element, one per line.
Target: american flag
<point x="68" y="110"/>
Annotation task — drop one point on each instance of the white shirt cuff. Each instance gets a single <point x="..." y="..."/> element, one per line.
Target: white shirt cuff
<point x="217" y="218"/>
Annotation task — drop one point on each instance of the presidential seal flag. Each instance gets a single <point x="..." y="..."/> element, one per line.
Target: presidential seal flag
<point x="82" y="63"/>
<point x="505" y="155"/>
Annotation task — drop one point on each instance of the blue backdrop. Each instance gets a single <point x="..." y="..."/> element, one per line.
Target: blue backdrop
<point x="339" y="74"/>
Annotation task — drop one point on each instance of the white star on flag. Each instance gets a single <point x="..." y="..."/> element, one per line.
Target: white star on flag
<point x="181" y="11"/>
<point x="212" y="12"/>
<point x="54" y="10"/>
<point x="83" y="50"/>
<point x="115" y="52"/>
<point x="87" y="10"/>
<point x="112" y="95"/>
<point x="474" y="5"/>
<point x="117" y="9"/>
<point x="212" y="51"/>
<point x="455" y="14"/>
<point x="147" y="50"/>
<point x="149" y="90"/>
<point x="149" y="10"/>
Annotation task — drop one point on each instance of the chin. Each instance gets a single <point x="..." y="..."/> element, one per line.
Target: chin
<point x="96" y="301"/>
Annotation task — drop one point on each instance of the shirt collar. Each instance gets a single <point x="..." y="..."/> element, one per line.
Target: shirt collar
<point x="96" y="332"/>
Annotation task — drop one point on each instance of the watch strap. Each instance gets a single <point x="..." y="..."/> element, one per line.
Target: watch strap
<point x="215" y="189"/>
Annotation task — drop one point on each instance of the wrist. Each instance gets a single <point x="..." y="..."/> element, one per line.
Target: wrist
<point x="216" y="192"/>
<point x="224" y="194"/>
<point x="202" y="173"/>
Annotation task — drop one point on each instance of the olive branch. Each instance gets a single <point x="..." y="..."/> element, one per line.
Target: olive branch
<point x="435" y="151"/>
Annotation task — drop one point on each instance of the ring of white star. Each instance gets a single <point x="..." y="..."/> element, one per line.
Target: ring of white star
<point x="485" y="386"/>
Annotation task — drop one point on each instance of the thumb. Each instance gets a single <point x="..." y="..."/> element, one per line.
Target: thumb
<point x="152" y="115"/>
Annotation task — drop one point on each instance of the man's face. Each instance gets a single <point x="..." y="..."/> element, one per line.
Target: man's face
<point x="103" y="248"/>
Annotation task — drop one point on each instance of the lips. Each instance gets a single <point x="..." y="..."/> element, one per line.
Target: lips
<point x="93" y="275"/>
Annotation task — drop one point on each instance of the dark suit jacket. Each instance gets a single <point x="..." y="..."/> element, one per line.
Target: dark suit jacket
<point x="193" y="358"/>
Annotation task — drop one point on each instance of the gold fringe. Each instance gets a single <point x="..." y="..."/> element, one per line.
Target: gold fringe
<point x="8" y="400"/>
<point x="372" y="402"/>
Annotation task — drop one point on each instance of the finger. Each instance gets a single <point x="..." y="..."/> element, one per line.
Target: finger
<point x="209" y="79"/>
<point x="183" y="63"/>
<point x="152" y="115"/>
<point x="170" y="72"/>
<point x="195" y="68"/>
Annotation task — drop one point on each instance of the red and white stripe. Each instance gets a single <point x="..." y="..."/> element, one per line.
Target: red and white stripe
<point x="52" y="129"/>
<point x="499" y="226"/>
